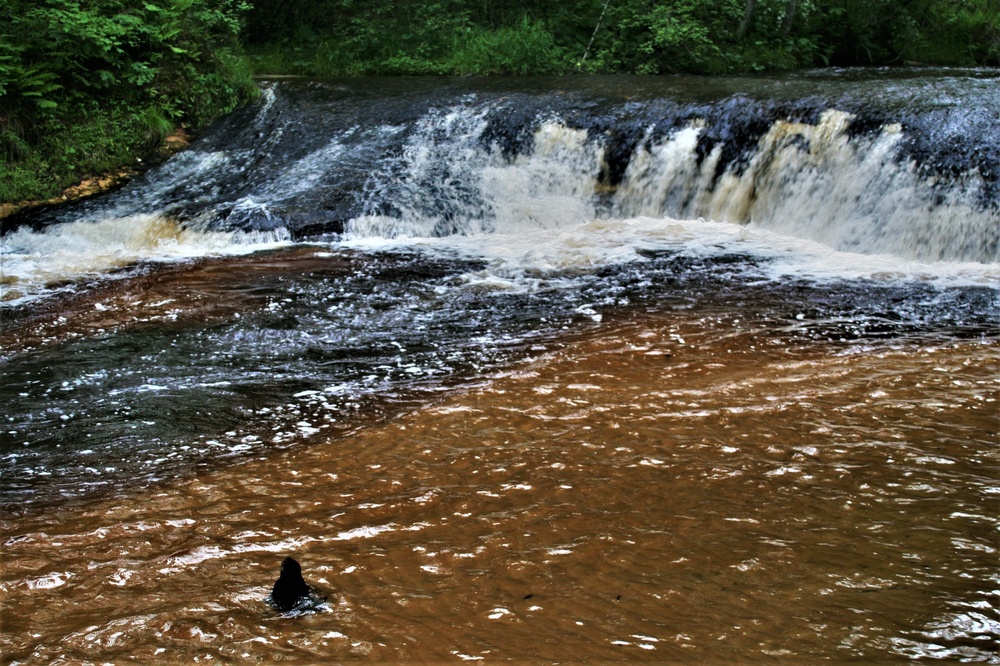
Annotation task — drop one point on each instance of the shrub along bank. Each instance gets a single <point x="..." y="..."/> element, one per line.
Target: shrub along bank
<point x="91" y="86"/>
<point x="346" y="37"/>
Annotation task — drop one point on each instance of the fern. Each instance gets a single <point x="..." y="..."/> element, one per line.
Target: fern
<point x="37" y="85"/>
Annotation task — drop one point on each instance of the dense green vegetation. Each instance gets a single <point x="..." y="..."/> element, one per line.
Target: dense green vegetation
<point x="90" y="85"/>
<point x="346" y="37"/>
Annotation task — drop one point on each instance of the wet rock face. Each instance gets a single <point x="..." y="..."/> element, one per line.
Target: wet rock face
<point x="311" y="156"/>
<point x="290" y="586"/>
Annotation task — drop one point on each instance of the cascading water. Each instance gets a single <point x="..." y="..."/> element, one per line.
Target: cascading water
<point x="315" y="161"/>
<point x="406" y="321"/>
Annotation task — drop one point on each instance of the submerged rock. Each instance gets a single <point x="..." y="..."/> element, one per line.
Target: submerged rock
<point x="290" y="590"/>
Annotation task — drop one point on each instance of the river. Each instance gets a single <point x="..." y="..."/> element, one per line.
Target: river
<point x="569" y="369"/>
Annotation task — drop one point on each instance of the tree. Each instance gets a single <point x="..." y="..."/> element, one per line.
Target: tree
<point x="786" y="23"/>
<point x="748" y="11"/>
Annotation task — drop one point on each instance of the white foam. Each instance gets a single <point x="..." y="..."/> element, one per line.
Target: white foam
<point x="84" y="248"/>
<point x="812" y="202"/>
<point x="815" y="182"/>
<point x="531" y="260"/>
<point x="48" y="582"/>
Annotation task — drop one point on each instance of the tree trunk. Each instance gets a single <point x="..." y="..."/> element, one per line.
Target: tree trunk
<point x="747" y="19"/>
<point x="786" y="23"/>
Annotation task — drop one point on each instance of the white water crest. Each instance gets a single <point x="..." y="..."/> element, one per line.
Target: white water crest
<point x="812" y="201"/>
<point x="812" y="182"/>
<point x="476" y="190"/>
<point x="34" y="260"/>
<point x="805" y="181"/>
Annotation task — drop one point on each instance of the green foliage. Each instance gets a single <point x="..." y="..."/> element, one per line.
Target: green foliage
<point x="92" y="144"/>
<point x="887" y="32"/>
<point x="956" y="33"/>
<point x="155" y="124"/>
<point x="348" y="37"/>
<point x="344" y="37"/>
<point x="114" y="67"/>
<point x="527" y="48"/>
<point x="675" y="37"/>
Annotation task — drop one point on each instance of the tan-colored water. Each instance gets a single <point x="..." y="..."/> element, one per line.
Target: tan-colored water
<point x="209" y="290"/>
<point x="658" y="488"/>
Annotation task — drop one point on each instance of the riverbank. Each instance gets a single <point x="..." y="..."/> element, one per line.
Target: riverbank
<point x="107" y="180"/>
<point x="96" y="88"/>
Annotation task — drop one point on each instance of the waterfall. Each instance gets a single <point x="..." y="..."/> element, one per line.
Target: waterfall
<point x="809" y="180"/>
<point x="885" y="168"/>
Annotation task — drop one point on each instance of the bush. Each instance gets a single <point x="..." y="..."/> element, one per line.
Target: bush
<point x="87" y="84"/>
<point x="966" y="35"/>
<point x="527" y="48"/>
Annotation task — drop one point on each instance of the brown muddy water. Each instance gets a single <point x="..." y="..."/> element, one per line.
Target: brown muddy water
<point x="660" y="487"/>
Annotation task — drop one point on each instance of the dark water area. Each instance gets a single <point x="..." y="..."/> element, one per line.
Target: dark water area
<point x="565" y="369"/>
<point x="233" y="356"/>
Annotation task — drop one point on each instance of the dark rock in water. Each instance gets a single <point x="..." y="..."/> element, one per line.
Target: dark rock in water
<point x="290" y="586"/>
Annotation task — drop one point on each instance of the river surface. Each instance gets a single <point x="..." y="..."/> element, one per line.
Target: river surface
<point x="586" y="369"/>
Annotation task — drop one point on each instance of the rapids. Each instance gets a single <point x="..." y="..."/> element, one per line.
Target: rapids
<point x="549" y="369"/>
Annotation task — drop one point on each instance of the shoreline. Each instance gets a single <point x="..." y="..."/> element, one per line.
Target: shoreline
<point x="92" y="185"/>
